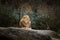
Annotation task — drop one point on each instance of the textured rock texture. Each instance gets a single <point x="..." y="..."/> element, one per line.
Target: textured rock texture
<point x="13" y="33"/>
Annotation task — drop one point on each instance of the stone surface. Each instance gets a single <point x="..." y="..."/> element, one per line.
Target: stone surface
<point x="13" y="33"/>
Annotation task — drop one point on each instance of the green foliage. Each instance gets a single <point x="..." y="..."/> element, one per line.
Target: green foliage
<point x="6" y="17"/>
<point x="40" y="22"/>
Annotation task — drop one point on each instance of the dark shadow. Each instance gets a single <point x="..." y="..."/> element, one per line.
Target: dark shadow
<point x="2" y="37"/>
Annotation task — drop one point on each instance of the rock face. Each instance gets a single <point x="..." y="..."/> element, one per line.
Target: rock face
<point x="13" y="33"/>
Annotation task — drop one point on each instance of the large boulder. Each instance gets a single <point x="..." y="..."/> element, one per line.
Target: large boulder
<point x="13" y="33"/>
<point x="21" y="34"/>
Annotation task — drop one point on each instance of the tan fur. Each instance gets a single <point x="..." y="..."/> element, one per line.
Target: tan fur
<point x="25" y="22"/>
<point x="27" y="8"/>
